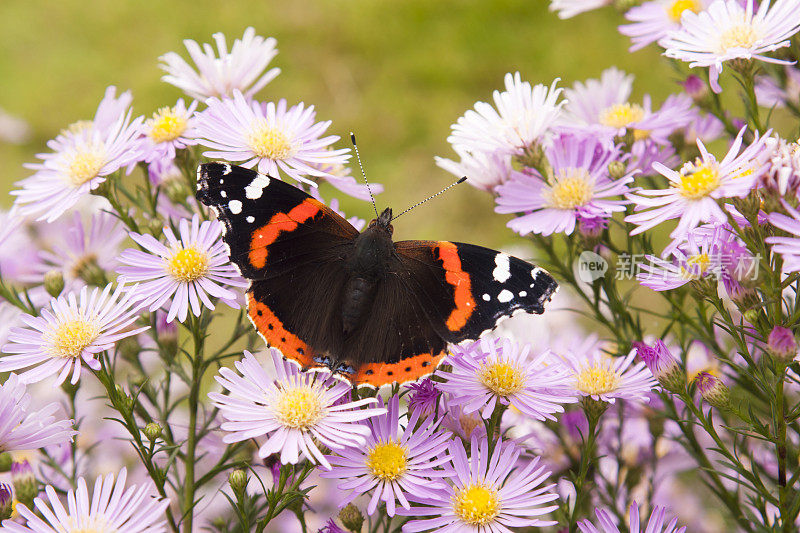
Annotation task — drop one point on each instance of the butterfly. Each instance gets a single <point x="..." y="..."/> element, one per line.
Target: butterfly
<point x="371" y="309"/>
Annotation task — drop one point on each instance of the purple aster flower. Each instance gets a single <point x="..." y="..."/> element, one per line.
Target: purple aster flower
<point x="331" y="527"/>
<point x="488" y="492"/>
<point x="293" y="412"/>
<point x="485" y="170"/>
<point x="652" y="21"/>
<point x="84" y="251"/>
<point x="712" y="389"/>
<point x="662" y="364"/>
<point x="497" y="370"/>
<point x="654" y="525"/>
<point x="523" y="116"/>
<point x="170" y="129"/>
<point x="604" y="378"/>
<point x="781" y="343"/>
<point x="71" y="332"/>
<point x="273" y="138"/>
<point x="187" y="271"/>
<point x="79" y="162"/>
<point x="787" y="247"/>
<point x="782" y="176"/>
<point x="111" y="507"/>
<point x="699" y="256"/>
<point x="21" y="429"/>
<point x="395" y="461"/>
<point x="730" y="30"/>
<point x="424" y="398"/>
<point x="241" y="68"/>
<point x="462" y="424"/>
<point x="694" y="190"/>
<point x="578" y="187"/>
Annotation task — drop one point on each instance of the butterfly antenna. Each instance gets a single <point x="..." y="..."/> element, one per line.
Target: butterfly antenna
<point x="355" y="147"/>
<point x="461" y="180"/>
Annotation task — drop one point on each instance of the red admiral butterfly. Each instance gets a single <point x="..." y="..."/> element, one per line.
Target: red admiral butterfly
<point x="374" y="310"/>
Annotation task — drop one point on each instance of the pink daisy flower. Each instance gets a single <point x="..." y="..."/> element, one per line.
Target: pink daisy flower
<point x="699" y="256"/>
<point x="185" y="272"/>
<point x="604" y="378"/>
<point x="293" y="411"/>
<point x="655" y="524"/>
<point x="169" y="129"/>
<point x="394" y="462"/>
<point x="242" y="68"/>
<point x="696" y="187"/>
<point x="523" y="116"/>
<point x="732" y="29"/>
<point x="579" y="187"/>
<point x="71" y="332"/>
<point x="23" y="429"/>
<point x="488" y="492"/>
<point x="497" y="370"/>
<point x="271" y="137"/>
<point x="111" y="507"/>
<point x="652" y="21"/>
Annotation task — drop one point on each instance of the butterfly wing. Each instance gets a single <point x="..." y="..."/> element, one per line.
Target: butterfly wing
<point x="289" y="245"/>
<point x="466" y="289"/>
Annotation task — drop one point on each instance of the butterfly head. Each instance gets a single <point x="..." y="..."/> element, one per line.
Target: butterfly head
<point x="383" y="221"/>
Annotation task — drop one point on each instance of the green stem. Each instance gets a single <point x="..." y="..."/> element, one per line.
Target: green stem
<point x="587" y="458"/>
<point x="780" y="451"/>
<point x="191" y="441"/>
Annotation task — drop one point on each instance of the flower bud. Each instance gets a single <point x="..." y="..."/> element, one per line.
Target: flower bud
<point x="54" y="282"/>
<point x="616" y="169"/>
<point x="128" y="348"/>
<point x="238" y="480"/>
<point x="167" y="333"/>
<point x="152" y="431"/>
<point x="26" y="487"/>
<point x="781" y="344"/>
<point x="351" y="518"/>
<point x="713" y="390"/>
<point x="695" y="87"/>
<point x="6" y="501"/>
<point x="662" y="365"/>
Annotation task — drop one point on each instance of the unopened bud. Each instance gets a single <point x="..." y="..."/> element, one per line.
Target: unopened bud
<point x="713" y="390"/>
<point x="54" y="282"/>
<point x="238" y="480"/>
<point x="6" y="501"/>
<point x="128" y="348"/>
<point x="26" y="487"/>
<point x="616" y="169"/>
<point x="695" y="87"/>
<point x="351" y="518"/>
<point x="662" y="365"/>
<point x="90" y="272"/>
<point x="152" y="431"/>
<point x="167" y="333"/>
<point x="781" y="344"/>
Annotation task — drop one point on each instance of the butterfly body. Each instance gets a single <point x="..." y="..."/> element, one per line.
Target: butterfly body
<point x="372" y="309"/>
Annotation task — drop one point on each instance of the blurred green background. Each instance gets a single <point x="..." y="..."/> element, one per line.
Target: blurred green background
<point x="398" y="73"/>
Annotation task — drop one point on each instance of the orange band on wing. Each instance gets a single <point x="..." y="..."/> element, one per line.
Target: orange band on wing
<point x="409" y="369"/>
<point x="271" y="328"/>
<point x="279" y="222"/>
<point x="462" y="286"/>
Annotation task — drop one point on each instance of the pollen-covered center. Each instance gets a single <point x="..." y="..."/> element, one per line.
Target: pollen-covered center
<point x="741" y="35"/>
<point x="677" y="7"/>
<point x="188" y="264"/>
<point x="98" y="524"/>
<point x="269" y="142"/>
<point x="598" y="378"/>
<point x="85" y="164"/>
<point x="502" y="377"/>
<point x="620" y="115"/>
<point x="70" y="338"/>
<point x="573" y="188"/>
<point x="299" y="407"/>
<point x="696" y="266"/>
<point x="698" y="180"/>
<point x="166" y="125"/>
<point x="387" y="460"/>
<point x="476" y="504"/>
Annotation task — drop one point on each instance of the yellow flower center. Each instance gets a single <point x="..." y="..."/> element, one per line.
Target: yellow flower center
<point x="598" y="378"/>
<point x="502" y="377"/>
<point x="69" y="339"/>
<point x="696" y="266"/>
<point x="677" y="7"/>
<point x="699" y="180"/>
<point x="573" y="188"/>
<point x="90" y="525"/>
<point x="269" y="142"/>
<point x="476" y="505"/>
<point x="387" y="460"/>
<point x="739" y="36"/>
<point x="188" y="264"/>
<point x="166" y="125"/>
<point x="299" y="407"/>
<point x="620" y="115"/>
<point x="85" y="164"/>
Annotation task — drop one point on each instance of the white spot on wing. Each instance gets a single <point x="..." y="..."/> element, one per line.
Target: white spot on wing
<point x="227" y="170"/>
<point x="251" y="219"/>
<point x="522" y="294"/>
<point x="502" y="270"/>
<point x="486" y="297"/>
<point x="505" y="296"/>
<point x="223" y="194"/>
<point x="256" y="187"/>
<point x="235" y="206"/>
